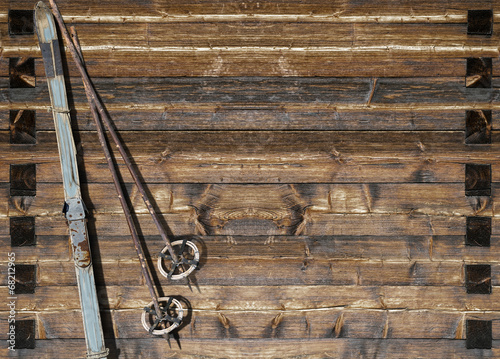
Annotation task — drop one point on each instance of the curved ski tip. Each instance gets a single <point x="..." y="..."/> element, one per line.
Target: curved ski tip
<point x="45" y="26"/>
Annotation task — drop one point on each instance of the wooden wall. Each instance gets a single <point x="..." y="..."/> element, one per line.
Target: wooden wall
<point x="315" y="148"/>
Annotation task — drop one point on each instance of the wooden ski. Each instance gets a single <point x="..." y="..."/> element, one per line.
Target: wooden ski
<point x="74" y="207"/>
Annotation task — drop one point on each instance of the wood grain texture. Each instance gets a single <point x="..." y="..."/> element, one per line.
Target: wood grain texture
<point x="243" y="45"/>
<point x="279" y="271"/>
<point x="388" y="248"/>
<point x="310" y="202"/>
<point x="55" y="248"/>
<point x="272" y="119"/>
<point x="324" y="224"/>
<point x="261" y="92"/>
<point x="285" y="62"/>
<point x="333" y="9"/>
<point x="314" y="150"/>
<point x="258" y="36"/>
<point x="357" y="324"/>
<point x="275" y="157"/>
<point x="273" y="348"/>
<point x="277" y="119"/>
<point x="291" y="298"/>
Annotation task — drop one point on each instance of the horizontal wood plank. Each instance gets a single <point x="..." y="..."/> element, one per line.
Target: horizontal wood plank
<point x="392" y="248"/>
<point x="309" y="8"/>
<point x="271" y="119"/>
<point x="273" y="348"/>
<point x="312" y="200"/>
<point x="280" y="271"/>
<point x="323" y="224"/>
<point x="254" y="34"/>
<point x="160" y="62"/>
<point x="269" y="156"/>
<point x="286" y="298"/>
<point x="261" y="92"/>
<point x="424" y="11"/>
<point x="329" y="323"/>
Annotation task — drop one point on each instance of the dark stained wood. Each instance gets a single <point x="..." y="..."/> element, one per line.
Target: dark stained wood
<point x="260" y="36"/>
<point x="478" y="278"/>
<point x="26" y="278"/>
<point x="22" y="231"/>
<point x="21" y="72"/>
<point x="25" y="334"/>
<point x="478" y="74"/>
<point x="22" y="127"/>
<point x="479" y="334"/>
<point x="477" y="180"/>
<point x="319" y="93"/>
<point x="480" y="22"/>
<point x="22" y="180"/>
<point x="477" y="127"/>
<point x="21" y="22"/>
<point x="478" y="231"/>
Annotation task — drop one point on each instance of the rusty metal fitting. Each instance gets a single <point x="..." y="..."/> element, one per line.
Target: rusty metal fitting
<point x="74" y="209"/>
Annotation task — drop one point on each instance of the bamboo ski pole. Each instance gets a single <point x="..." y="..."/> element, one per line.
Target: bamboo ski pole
<point x="131" y="225"/>
<point x="160" y="313"/>
<point x="107" y="121"/>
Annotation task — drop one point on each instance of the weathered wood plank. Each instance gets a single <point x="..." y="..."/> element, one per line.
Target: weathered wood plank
<point x="278" y="119"/>
<point x="287" y="298"/>
<point x="314" y="63"/>
<point x="266" y="35"/>
<point x="4" y="227"/>
<point x="262" y="92"/>
<point x="446" y="247"/>
<point x="329" y="323"/>
<point x="284" y="63"/>
<point x="218" y="202"/>
<point x="322" y="224"/>
<point x="46" y="248"/>
<point x="385" y="142"/>
<point x="271" y="156"/>
<point x="146" y="91"/>
<point x="411" y="248"/>
<point x="56" y="248"/>
<point x="415" y="11"/>
<point x="280" y="271"/>
<point x="271" y="119"/>
<point x="273" y="348"/>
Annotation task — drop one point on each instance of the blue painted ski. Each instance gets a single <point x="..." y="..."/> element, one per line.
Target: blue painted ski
<point x="74" y="206"/>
